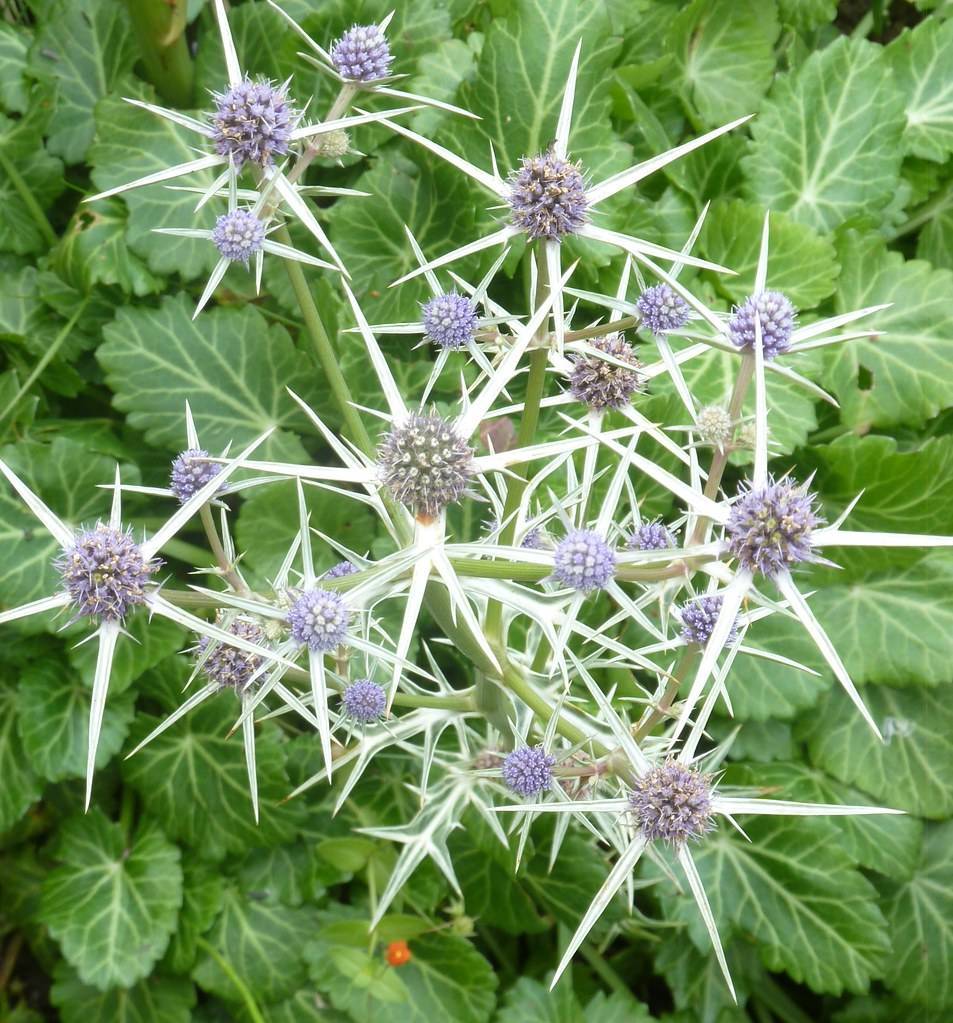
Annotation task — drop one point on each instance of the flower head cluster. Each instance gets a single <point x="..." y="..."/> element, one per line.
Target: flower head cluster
<point x="714" y="425"/>
<point x="252" y="122"/>
<point x="105" y="573"/>
<point x="699" y="617"/>
<point x="777" y="317"/>
<point x="238" y="235"/>
<point x="672" y="802"/>
<point x="547" y="197"/>
<point x="528" y="771"/>
<point x="364" y="701"/>
<point x="769" y="528"/>
<point x="450" y="320"/>
<point x="602" y="384"/>
<point x="584" y="561"/>
<point x="425" y="464"/>
<point x="190" y="473"/>
<point x="650" y="536"/>
<point x="662" y="310"/>
<point x="318" y="620"/>
<point x="341" y="569"/>
<point x="362" y="54"/>
<point x="227" y="666"/>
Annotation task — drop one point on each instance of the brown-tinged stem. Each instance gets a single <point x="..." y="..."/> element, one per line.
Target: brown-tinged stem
<point x="601" y="329"/>
<point x="653" y="715"/>
<point x="227" y="569"/>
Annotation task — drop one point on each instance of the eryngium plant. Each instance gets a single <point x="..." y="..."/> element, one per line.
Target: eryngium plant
<point x="569" y="587"/>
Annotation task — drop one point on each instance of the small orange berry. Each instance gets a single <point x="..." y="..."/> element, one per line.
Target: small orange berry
<point x="398" y="954"/>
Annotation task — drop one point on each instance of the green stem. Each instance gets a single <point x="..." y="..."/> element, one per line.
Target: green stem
<point x="601" y="329"/>
<point x="29" y="199"/>
<point x="338" y="109"/>
<point x="324" y="351"/>
<point x="924" y="214"/>
<point x="44" y="360"/>
<point x="653" y="715"/>
<point x="159" y="26"/>
<point x="250" y="1004"/>
<point x="190" y="553"/>
<point x="225" y="566"/>
<point x="543" y="708"/>
<point x="604" y="970"/>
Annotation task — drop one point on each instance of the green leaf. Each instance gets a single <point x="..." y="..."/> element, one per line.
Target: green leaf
<point x="231" y="365"/>
<point x="20" y="787"/>
<point x="826" y="143"/>
<point x="725" y="52"/>
<point x="796" y="894"/>
<point x="806" y="15"/>
<point x="912" y="770"/>
<point x="158" y="999"/>
<point x="920" y="915"/>
<point x="439" y="75"/>
<point x="696" y="981"/>
<point x="54" y="720"/>
<point x="801" y="263"/>
<point x="921" y="60"/>
<point x="195" y="779"/>
<point x="910" y="367"/>
<point x="94" y="250"/>
<point x="112" y="905"/>
<point x="85" y="46"/>
<point x="528" y="1001"/>
<point x="286" y="873"/>
<point x="67" y="478"/>
<point x="203" y="889"/>
<point x="935" y="241"/>
<point x="262" y="940"/>
<point x="14" y="43"/>
<point x="131" y="143"/>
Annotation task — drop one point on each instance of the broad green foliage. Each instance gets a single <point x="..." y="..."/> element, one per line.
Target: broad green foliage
<point x="167" y="902"/>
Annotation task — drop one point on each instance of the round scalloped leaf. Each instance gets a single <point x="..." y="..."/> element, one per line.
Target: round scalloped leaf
<point x="921" y="59"/>
<point x="20" y="786"/>
<point x="158" y="999"/>
<point x="113" y="902"/>
<point x="827" y="140"/>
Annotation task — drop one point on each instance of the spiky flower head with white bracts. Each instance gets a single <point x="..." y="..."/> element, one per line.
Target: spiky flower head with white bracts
<point x="662" y="310"/>
<point x="230" y="667"/>
<point x="252" y="122"/>
<point x="450" y="320"/>
<point x="602" y="383"/>
<point x="714" y="425"/>
<point x="699" y="617"/>
<point x="528" y="771"/>
<point x="238" y="235"/>
<point x="318" y="619"/>
<point x="547" y="197"/>
<point x="341" y="569"/>
<point x="650" y="536"/>
<point x="191" y="470"/>
<point x="777" y="320"/>
<point x="769" y="528"/>
<point x="105" y="573"/>
<point x="671" y="803"/>
<point x="425" y="463"/>
<point x="583" y="561"/>
<point x="364" y="701"/>
<point x="362" y="54"/>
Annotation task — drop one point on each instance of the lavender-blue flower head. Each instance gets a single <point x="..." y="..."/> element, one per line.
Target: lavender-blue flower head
<point x="533" y="541"/>
<point x="602" y="384"/>
<point x="672" y="802"/>
<point x="650" y="536"/>
<point x="364" y="701"/>
<point x="548" y="197"/>
<point x="318" y="618"/>
<point x="450" y="320"/>
<point x="584" y="561"/>
<point x="425" y="464"/>
<point x="238" y="235"/>
<point x="362" y="54"/>
<point x="699" y="617"/>
<point x="105" y="573"/>
<point x="778" y="320"/>
<point x="528" y="771"/>
<point x="662" y="310"/>
<point x="252" y="122"/>
<point x="769" y="529"/>
<point x="341" y="569"/>
<point x="227" y="666"/>
<point x="189" y="474"/>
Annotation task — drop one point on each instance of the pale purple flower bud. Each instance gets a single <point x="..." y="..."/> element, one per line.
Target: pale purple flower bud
<point x="528" y="771"/>
<point x="699" y="617"/>
<point x="548" y="197"/>
<point x="227" y="666"/>
<point x="341" y="569"/>
<point x="252" y="123"/>
<point x="189" y="474"/>
<point x="769" y="529"/>
<point x="425" y="464"/>
<point x="362" y="54"/>
<point x="364" y="701"/>
<point x="238" y="235"/>
<point x="533" y="541"/>
<point x="105" y="573"/>
<point x="318" y="619"/>
<point x="602" y="384"/>
<point x="672" y="802"/>
<point x="778" y="320"/>
<point x="584" y="561"/>
<point x="650" y="536"/>
<point x="662" y="310"/>
<point x="450" y="320"/>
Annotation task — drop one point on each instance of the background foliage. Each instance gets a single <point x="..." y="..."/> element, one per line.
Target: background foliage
<point x="166" y="903"/>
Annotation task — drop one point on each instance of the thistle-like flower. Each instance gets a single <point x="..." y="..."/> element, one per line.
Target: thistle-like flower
<point x="341" y="569"/>
<point x="450" y="320"/>
<point x="777" y="320"/>
<point x="547" y="197"/>
<point x="672" y="803"/>
<point x="105" y="573"/>
<point x="231" y="667"/>
<point x="190" y="472"/>
<point x="364" y="701"/>
<point x="252" y="122"/>
<point x="662" y="310"/>
<point x="583" y="561"/>
<point x="528" y="771"/>
<point x="714" y="425"/>
<point x="769" y="528"/>
<point x="606" y="382"/>
<point x="699" y="617"/>
<point x="238" y="235"/>
<point x="362" y="54"/>
<point x="650" y="536"/>
<point x="318" y="619"/>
